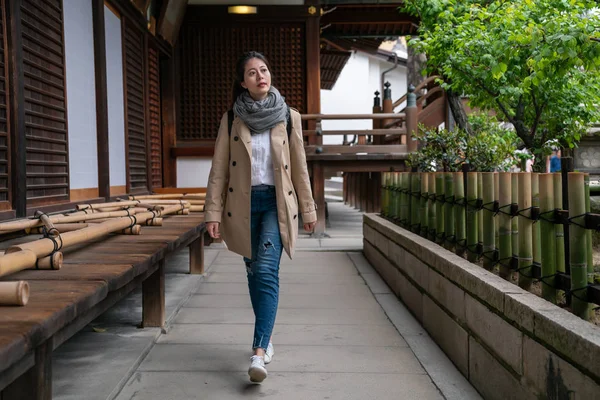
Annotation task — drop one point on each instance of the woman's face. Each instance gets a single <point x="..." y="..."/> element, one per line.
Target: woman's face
<point x="257" y="78"/>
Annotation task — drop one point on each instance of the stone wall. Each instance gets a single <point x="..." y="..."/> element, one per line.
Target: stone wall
<point x="509" y="343"/>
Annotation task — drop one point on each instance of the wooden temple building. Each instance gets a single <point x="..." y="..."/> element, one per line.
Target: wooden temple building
<point x="104" y="98"/>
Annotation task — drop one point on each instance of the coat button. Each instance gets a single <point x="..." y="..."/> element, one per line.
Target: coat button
<point x="295" y="216"/>
<point x="230" y="190"/>
<point x="290" y="192"/>
<point x="233" y="163"/>
<point x="284" y="142"/>
<point x="286" y="167"/>
<point x="229" y="214"/>
<point x="236" y="138"/>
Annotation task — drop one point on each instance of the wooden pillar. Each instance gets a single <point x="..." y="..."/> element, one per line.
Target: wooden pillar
<point x="169" y="118"/>
<point x="16" y="111"/>
<point x="376" y="177"/>
<point x="101" y="98"/>
<point x="354" y="188"/>
<point x="364" y="191"/>
<point x="319" y="195"/>
<point x="345" y="188"/>
<point x="197" y="256"/>
<point x="412" y="119"/>
<point x="36" y="383"/>
<point x="153" y="298"/>
<point x="387" y="108"/>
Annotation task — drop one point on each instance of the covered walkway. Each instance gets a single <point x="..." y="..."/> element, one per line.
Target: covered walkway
<point x="340" y="334"/>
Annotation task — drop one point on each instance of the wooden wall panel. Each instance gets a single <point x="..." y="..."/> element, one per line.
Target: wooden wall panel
<point x="45" y="101"/>
<point x="5" y="148"/>
<point x="135" y="108"/>
<point x="155" y="118"/>
<point x="208" y="53"/>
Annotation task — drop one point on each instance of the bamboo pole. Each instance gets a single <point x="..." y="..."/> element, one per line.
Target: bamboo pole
<point x="480" y="212"/>
<point x="158" y="196"/>
<point x="559" y="229"/>
<point x="115" y="204"/>
<point x="472" y="224"/>
<point x="184" y="203"/>
<point x="459" y="213"/>
<point x="397" y="186"/>
<point x="525" y="231"/>
<point x="577" y="245"/>
<point x="402" y="198"/>
<point x="424" y="217"/>
<point x="547" y="237"/>
<point x="588" y="233"/>
<point x="514" y="194"/>
<point x="535" y="202"/>
<point x="133" y="230"/>
<point x="47" y="223"/>
<point x="415" y="190"/>
<point x="61" y="228"/>
<point x="14" y="293"/>
<point x="196" y="208"/>
<point x="497" y="199"/>
<point x="431" y="206"/>
<point x="489" y="228"/>
<point x="54" y="261"/>
<point x="392" y="189"/>
<point x="505" y="224"/>
<point x="449" y="226"/>
<point x="22" y="256"/>
<point x="384" y="203"/>
<point x="440" y="193"/>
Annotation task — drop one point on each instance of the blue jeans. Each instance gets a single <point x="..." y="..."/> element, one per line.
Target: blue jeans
<point x="263" y="268"/>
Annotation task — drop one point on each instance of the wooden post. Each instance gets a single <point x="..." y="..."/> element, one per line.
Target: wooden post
<point x="313" y="67"/>
<point x="153" y="298"/>
<point x="168" y="86"/>
<point x="345" y="188"/>
<point x="197" y="256"/>
<point x="525" y="231"/>
<point x="559" y="229"/>
<point x="101" y="99"/>
<point x="548" y="237"/>
<point x="36" y="383"/>
<point x="535" y="202"/>
<point x="362" y="139"/>
<point x="319" y="194"/>
<point x="412" y="120"/>
<point x="505" y="229"/>
<point x="387" y="109"/>
<point x="364" y="190"/>
<point x="514" y="195"/>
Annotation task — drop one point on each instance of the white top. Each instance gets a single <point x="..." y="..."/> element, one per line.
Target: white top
<point x="262" y="163"/>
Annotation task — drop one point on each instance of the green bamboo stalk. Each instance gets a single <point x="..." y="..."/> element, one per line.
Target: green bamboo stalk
<point x="402" y="198"/>
<point x="514" y="195"/>
<point x="548" y="237"/>
<point x="480" y="212"/>
<point x="395" y="195"/>
<point x="415" y="189"/>
<point x="505" y="224"/>
<point x="424" y="217"/>
<point x="472" y="225"/>
<point x="459" y="213"/>
<point x="431" y="205"/>
<point x="407" y="200"/>
<point x="535" y="202"/>
<point x="439" y="191"/>
<point x="559" y="229"/>
<point x="489" y="229"/>
<point x="384" y="194"/>
<point x="525" y="231"/>
<point x="577" y="245"/>
<point x="497" y="198"/>
<point x="588" y="233"/>
<point x="449" y="210"/>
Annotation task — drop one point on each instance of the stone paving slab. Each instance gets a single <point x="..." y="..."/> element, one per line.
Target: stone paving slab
<point x="341" y="301"/>
<point x="354" y="288"/>
<point x="312" y="316"/>
<point x="301" y="335"/>
<point x="281" y="386"/>
<point x="289" y="358"/>
<point x="240" y="277"/>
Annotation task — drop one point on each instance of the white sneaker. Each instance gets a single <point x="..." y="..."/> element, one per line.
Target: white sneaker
<point x="269" y="353"/>
<point x="257" y="370"/>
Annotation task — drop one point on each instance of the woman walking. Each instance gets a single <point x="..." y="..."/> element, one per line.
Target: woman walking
<point x="257" y="186"/>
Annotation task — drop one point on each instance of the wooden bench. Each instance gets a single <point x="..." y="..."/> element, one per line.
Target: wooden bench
<point x="93" y="278"/>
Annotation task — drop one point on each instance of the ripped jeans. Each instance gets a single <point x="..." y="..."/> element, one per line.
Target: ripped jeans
<point x="263" y="268"/>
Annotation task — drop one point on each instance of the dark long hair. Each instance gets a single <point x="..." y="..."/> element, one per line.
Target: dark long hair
<point x="240" y="68"/>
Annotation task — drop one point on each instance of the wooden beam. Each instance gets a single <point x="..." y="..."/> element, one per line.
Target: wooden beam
<point x="101" y="98"/>
<point x="367" y="148"/>
<point x="169" y="119"/>
<point x="217" y="14"/>
<point x="195" y="151"/>
<point x="16" y="100"/>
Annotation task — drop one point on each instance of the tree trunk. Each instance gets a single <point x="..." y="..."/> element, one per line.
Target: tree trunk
<point x="415" y="62"/>
<point x="458" y="111"/>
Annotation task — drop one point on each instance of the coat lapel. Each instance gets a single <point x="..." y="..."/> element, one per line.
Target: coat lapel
<point x="244" y="134"/>
<point x="278" y="134"/>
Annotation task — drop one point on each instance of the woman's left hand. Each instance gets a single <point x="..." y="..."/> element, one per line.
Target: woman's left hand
<point x="310" y="226"/>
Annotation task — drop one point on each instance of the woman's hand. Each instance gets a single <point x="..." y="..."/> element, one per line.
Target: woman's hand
<point x="310" y="227"/>
<point x="213" y="229"/>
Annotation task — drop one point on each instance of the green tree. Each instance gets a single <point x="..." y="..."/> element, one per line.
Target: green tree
<point x="536" y="63"/>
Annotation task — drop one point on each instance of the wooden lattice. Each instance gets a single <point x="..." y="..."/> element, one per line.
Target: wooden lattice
<point x="155" y="119"/>
<point x="207" y="57"/>
<point x="4" y="142"/>
<point x="45" y="101"/>
<point x="135" y="109"/>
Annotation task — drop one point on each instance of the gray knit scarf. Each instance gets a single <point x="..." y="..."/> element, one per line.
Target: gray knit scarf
<point x="261" y="116"/>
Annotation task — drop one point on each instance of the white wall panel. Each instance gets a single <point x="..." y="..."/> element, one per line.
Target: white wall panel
<point x="116" y="110"/>
<point x="81" y="94"/>
<point x="193" y="171"/>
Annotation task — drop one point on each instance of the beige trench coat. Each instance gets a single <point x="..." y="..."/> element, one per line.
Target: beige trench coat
<point x="229" y="184"/>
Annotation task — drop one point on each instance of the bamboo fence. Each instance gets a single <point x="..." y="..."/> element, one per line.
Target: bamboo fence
<point x="512" y="223"/>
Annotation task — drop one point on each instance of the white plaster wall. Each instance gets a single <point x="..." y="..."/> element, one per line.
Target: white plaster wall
<point x="193" y="171"/>
<point x="81" y="94"/>
<point x="354" y="91"/>
<point x="116" y="107"/>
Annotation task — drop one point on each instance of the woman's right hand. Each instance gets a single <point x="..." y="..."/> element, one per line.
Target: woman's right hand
<point x="213" y="229"/>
